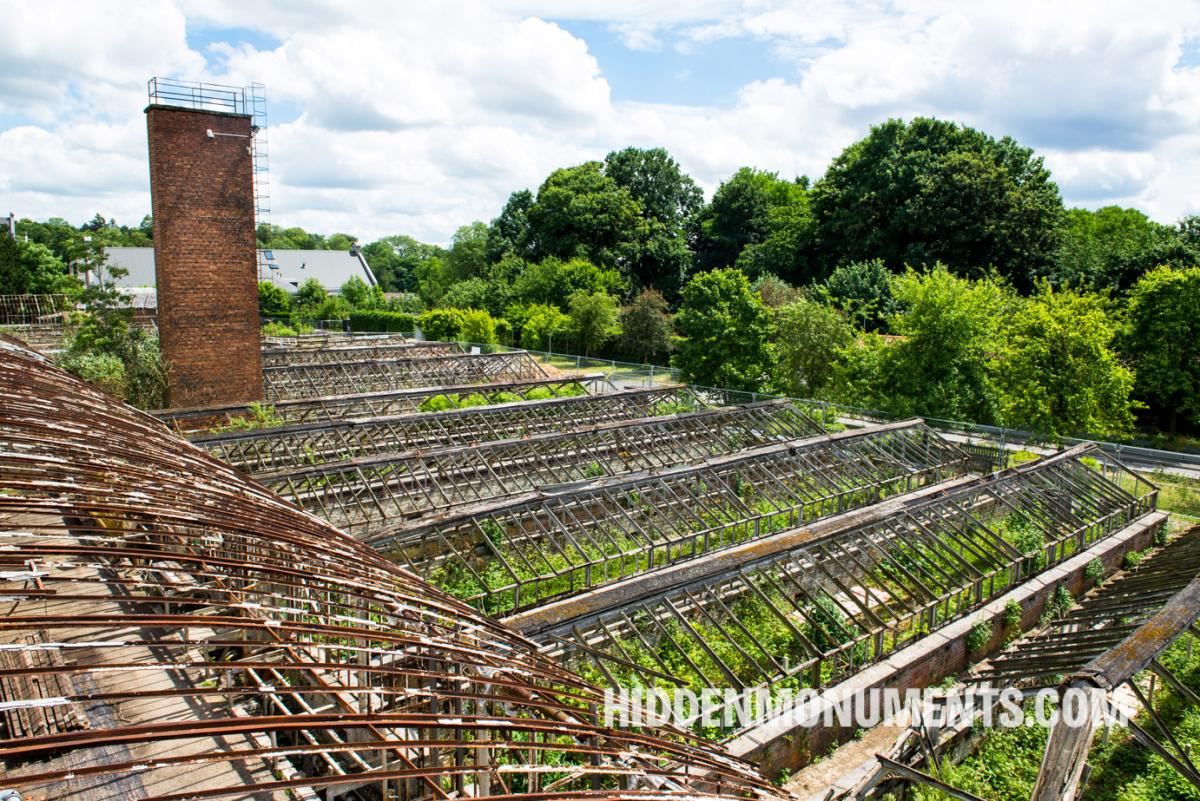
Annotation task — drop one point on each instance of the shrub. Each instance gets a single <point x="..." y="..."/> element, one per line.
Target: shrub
<point x="273" y="301"/>
<point x="474" y="399"/>
<point x="506" y="397"/>
<point x="478" y="326"/>
<point x="1132" y="559"/>
<point x="444" y="325"/>
<point x="105" y="370"/>
<point x="438" y="403"/>
<point x="539" y="393"/>
<point x="979" y="635"/>
<point x="379" y="320"/>
<point x="1062" y="601"/>
<point x="1012" y="614"/>
<point x="274" y="329"/>
<point x="1093" y="570"/>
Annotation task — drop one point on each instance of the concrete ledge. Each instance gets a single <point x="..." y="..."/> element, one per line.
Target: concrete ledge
<point x="780" y="744"/>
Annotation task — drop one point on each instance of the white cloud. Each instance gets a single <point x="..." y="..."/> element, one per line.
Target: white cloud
<point x="417" y="118"/>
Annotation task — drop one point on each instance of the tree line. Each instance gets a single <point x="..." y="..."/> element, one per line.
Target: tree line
<point x="933" y="269"/>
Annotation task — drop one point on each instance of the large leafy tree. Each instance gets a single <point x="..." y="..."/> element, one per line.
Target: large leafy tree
<point x="31" y="268"/>
<point x="1163" y="340"/>
<point x="395" y="259"/>
<point x="668" y="199"/>
<point x="553" y="281"/>
<point x="1058" y="374"/>
<point x="594" y="319"/>
<point x="759" y="222"/>
<point x="863" y="290"/>
<point x="724" y="327"/>
<point x="582" y="213"/>
<point x="932" y="191"/>
<point x="508" y="234"/>
<point x="808" y="339"/>
<point x="1110" y="247"/>
<point x="949" y="332"/>
<point x="468" y="251"/>
<point x="646" y="326"/>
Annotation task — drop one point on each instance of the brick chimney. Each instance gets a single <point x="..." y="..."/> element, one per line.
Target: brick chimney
<point x="205" y="259"/>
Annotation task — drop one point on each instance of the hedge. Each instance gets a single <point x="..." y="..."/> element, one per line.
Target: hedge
<point x="380" y="320"/>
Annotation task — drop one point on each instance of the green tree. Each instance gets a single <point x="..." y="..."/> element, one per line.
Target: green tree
<point x="432" y="279"/>
<point x="444" y="325"/>
<point x="949" y="329"/>
<point x="668" y="199"/>
<point x="477" y="293"/>
<point x="273" y="301"/>
<point x="311" y="293"/>
<point x="395" y="259"/>
<point x="760" y="223"/>
<point x="359" y="295"/>
<point x="32" y="268"/>
<point x="1162" y="338"/>
<point x="508" y="234"/>
<point x="543" y="325"/>
<point x="863" y="290"/>
<point x="468" y="252"/>
<point x="646" y="327"/>
<point x="106" y="348"/>
<point x="594" y="319"/>
<point x="808" y="338"/>
<point x="553" y="281"/>
<point x="582" y="213"/>
<point x="1110" y="247"/>
<point x="932" y="191"/>
<point x="724" y="326"/>
<point x="478" y="326"/>
<point x="1058" y="374"/>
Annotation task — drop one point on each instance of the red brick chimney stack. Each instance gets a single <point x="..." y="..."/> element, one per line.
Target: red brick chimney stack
<point x="202" y="196"/>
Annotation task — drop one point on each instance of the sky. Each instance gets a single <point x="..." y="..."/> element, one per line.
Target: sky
<point x="418" y="117"/>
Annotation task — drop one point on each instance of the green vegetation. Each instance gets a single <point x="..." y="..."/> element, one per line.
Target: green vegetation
<point x="932" y="270"/>
<point x="107" y="348"/>
<point x="1005" y="765"/>
<point x="979" y="636"/>
<point x="445" y="402"/>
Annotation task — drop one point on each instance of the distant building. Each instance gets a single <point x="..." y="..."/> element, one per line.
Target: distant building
<point x="284" y="268"/>
<point x="9" y="225"/>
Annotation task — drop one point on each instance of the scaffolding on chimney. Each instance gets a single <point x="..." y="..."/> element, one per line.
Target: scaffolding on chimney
<point x="256" y="100"/>
<point x="248" y="100"/>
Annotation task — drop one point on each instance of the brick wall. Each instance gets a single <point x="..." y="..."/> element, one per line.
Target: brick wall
<point x="202" y="196"/>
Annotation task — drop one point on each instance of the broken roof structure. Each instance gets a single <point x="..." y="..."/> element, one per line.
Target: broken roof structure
<point x="172" y="630"/>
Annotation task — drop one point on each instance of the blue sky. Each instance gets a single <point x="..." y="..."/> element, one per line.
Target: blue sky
<point x="417" y="118"/>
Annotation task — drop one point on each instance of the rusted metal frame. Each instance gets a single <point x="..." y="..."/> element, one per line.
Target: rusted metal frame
<point x="869" y="569"/>
<point x="289" y="357"/>
<point x="715" y="598"/>
<point x="891" y="767"/>
<point x="281" y="382"/>
<point x="335" y="409"/>
<point x="720" y="664"/>
<point x="867" y="544"/>
<point x="1182" y="758"/>
<point x="703" y="608"/>
<point x="650" y="448"/>
<point x="826" y="566"/>
<point x="686" y="509"/>
<point x="637" y="631"/>
<point x="665" y="633"/>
